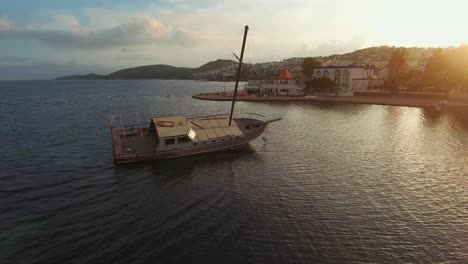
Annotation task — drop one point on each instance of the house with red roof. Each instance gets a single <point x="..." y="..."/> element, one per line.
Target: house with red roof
<point x="285" y="84"/>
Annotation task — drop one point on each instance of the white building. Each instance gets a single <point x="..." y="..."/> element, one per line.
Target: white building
<point x="349" y="79"/>
<point x="284" y="85"/>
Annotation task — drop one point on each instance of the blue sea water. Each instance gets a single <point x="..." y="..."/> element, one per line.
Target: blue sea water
<point x="333" y="183"/>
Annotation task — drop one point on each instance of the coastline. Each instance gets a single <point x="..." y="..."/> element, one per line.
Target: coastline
<point x="375" y="100"/>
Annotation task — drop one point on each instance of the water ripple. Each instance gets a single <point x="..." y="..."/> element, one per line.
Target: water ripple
<point x="331" y="184"/>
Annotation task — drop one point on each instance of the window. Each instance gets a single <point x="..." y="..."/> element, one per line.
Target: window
<point x="337" y="75"/>
<point x="318" y="73"/>
<point x="183" y="139"/>
<point x="164" y="123"/>
<point x="326" y="73"/>
<point x="204" y="142"/>
<point x="345" y="81"/>
<point x="214" y="140"/>
<point x="195" y="143"/>
<point x="337" y="81"/>
<point x="224" y="139"/>
<point x="169" y="141"/>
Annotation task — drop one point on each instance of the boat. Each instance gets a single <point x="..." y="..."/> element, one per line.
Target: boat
<point x="167" y="137"/>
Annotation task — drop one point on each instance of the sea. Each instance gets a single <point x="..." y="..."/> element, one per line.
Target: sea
<point x="329" y="183"/>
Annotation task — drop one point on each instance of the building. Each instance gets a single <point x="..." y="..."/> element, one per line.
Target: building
<point x="284" y="85"/>
<point x="348" y="79"/>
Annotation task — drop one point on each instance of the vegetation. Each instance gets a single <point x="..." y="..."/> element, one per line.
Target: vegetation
<point x="436" y="70"/>
<point x="308" y="66"/>
<point x="213" y="65"/>
<point x="90" y="76"/>
<point x="417" y="69"/>
<point x="397" y="70"/>
<point x="380" y="56"/>
<point x="159" y="71"/>
<point x="446" y="70"/>
<point x="153" y="72"/>
<point x="314" y="85"/>
<point x="320" y="85"/>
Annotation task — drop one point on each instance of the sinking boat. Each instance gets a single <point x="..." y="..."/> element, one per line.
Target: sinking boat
<point x="175" y="136"/>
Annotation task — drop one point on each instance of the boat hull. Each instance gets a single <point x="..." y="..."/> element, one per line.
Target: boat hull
<point x="251" y="128"/>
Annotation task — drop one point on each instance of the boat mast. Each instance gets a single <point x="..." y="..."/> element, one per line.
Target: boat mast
<point x="238" y="74"/>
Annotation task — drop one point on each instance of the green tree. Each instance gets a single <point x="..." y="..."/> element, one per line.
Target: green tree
<point x="320" y="85"/>
<point x="436" y="71"/>
<point x="308" y="66"/>
<point x="397" y="69"/>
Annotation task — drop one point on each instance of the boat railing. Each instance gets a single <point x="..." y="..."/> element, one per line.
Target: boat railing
<point x="267" y="119"/>
<point x="118" y="122"/>
<point x="235" y="115"/>
<point x="207" y="116"/>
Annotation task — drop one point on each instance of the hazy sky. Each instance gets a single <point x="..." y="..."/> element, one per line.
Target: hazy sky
<point x="49" y="38"/>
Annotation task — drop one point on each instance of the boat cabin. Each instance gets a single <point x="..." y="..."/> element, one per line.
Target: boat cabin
<point x="178" y="132"/>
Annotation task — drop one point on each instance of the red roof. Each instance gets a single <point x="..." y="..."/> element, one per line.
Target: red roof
<point x="285" y="74"/>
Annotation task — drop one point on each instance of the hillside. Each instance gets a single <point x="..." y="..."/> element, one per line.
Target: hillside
<point x="214" y="65"/>
<point x="159" y="71"/>
<point x="90" y="76"/>
<point x="379" y="56"/>
<point x="376" y="57"/>
<point x="153" y="72"/>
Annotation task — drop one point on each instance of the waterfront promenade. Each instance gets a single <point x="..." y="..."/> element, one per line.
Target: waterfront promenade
<point x="397" y="100"/>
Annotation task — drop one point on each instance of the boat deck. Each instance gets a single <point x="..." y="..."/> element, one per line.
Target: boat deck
<point x="139" y="144"/>
<point x="134" y="144"/>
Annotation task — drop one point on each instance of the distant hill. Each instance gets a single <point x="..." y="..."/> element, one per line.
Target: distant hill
<point x="159" y="71"/>
<point x="90" y="76"/>
<point x="379" y="56"/>
<point x="376" y="57"/>
<point x="153" y="72"/>
<point x="214" y="65"/>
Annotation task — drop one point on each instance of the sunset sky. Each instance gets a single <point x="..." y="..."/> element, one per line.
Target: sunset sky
<point x="50" y="38"/>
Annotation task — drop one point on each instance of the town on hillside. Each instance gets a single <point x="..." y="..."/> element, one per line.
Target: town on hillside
<point x="392" y="69"/>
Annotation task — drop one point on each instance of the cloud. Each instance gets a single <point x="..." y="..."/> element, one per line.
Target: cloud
<point x="138" y="30"/>
<point x="4" y="24"/>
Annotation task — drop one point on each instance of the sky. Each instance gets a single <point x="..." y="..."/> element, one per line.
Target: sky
<point x="51" y="38"/>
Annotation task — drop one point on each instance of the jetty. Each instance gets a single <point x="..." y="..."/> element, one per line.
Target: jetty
<point x="424" y="100"/>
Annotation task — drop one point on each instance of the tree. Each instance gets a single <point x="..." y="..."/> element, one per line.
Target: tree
<point x="415" y="79"/>
<point x="308" y="66"/>
<point x="321" y="85"/>
<point x="457" y="69"/>
<point x="435" y="74"/>
<point x="397" y="68"/>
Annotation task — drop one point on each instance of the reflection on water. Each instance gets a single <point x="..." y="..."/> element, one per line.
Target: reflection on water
<point x="333" y="183"/>
<point x="170" y="172"/>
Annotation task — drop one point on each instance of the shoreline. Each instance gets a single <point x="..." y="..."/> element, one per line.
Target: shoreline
<point x="373" y="100"/>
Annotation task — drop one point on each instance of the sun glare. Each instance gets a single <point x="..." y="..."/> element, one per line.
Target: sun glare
<point x="418" y="23"/>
